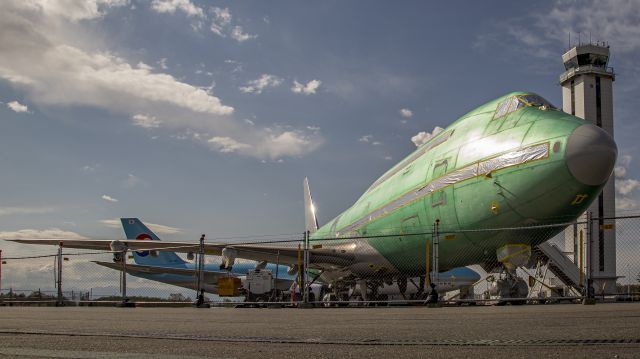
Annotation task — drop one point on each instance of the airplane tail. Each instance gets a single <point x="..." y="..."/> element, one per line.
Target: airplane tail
<point x="310" y="219"/>
<point x="135" y="229"/>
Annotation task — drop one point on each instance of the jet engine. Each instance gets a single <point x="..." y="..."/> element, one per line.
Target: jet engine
<point x="228" y="258"/>
<point x="118" y="249"/>
<point x="293" y="270"/>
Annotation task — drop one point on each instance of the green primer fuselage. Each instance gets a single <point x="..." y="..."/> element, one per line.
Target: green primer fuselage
<point x="481" y="172"/>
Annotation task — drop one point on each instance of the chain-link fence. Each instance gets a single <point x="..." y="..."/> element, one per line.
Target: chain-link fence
<point x="593" y="258"/>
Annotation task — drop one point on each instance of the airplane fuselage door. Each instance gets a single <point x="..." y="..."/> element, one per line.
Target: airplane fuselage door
<point x="440" y="203"/>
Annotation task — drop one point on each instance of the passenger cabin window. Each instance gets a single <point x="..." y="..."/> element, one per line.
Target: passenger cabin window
<point x="517" y="102"/>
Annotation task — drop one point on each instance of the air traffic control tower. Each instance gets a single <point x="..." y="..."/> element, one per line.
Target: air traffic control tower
<point x="587" y="93"/>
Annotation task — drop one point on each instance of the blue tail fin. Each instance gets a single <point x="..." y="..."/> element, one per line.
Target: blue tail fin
<point x="135" y="229"/>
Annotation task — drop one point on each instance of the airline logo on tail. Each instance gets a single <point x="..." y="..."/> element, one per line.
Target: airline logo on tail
<point x="143" y="237"/>
<point x="135" y="229"/>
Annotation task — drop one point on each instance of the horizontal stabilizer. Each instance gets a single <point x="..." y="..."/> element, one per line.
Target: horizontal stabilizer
<point x="209" y="276"/>
<point x="154" y="273"/>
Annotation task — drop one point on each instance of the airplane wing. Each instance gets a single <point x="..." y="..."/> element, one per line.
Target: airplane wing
<point x="105" y="244"/>
<point x="321" y="254"/>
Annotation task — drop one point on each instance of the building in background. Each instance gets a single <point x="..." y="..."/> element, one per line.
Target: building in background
<point x="587" y="92"/>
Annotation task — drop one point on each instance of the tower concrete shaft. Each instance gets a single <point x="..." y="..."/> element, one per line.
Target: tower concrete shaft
<point x="587" y="92"/>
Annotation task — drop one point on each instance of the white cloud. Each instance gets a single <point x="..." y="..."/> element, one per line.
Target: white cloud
<point x="626" y="204"/>
<point x="43" y="57"/>
<point x="132" y="181"/>
<point x="288" y="143"/>
<point x="16" y="106"/>
<point x="157" y="228"/>
<point x="74" y="10"/>
<point x="620" y="171"/>
<point x="163" y="63"/>
<point x="625" y="160"/>
<point x="36" y="56"/>
<point x="539" y="32"/>
<point x="221" y="26"/>
<point x="309" y="89"/>
<point x="369" y="139"/>
<point x="145" y="121"/>
<point x="221" y="20"/>
<point x="423" y="137"/>
<point x="406" y="113"/>
<point x="239" y="35"/>
<point x="227" y="144"/>
<point x="258" y="85"/>
<point x="272" y="144"/>
<point x="237" y="65"/>
<point x="53" y="233"/>
<point x="171" y="6"/>
<point x="613" y="20"/>
<point x="108" y="198"/>
<point x="8" y="211"/>
<point x="88" y="169"/>
<point x="626" y="186"/>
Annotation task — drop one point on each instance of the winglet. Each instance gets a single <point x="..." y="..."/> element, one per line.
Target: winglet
<point x="310" y="219"/>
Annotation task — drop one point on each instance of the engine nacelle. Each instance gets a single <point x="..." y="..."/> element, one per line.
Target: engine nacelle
<point x="293" y="270"/>
<point x="117" y="246"/>
<point x="118" y="249"/>
<point x="228" y="258"/>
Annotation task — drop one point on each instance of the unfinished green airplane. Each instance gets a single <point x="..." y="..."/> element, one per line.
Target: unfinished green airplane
<point x="514" y="162"/>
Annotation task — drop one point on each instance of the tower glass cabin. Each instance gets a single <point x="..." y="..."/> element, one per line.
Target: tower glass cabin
<point x="587" y="92"/>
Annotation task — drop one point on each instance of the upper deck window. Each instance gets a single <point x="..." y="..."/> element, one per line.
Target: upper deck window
<point x="517" y="102"/>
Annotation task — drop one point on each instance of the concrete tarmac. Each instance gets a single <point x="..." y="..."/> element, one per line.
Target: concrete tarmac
<point x="535" y="331"/>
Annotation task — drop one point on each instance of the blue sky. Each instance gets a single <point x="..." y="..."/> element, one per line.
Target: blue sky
<point x="204" y="117"/>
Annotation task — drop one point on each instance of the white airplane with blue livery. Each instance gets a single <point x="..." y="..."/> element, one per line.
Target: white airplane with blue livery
<point x="167" y="267"/>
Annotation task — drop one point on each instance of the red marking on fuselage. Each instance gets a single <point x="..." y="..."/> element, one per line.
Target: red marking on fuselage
<point x="143" y="237"/>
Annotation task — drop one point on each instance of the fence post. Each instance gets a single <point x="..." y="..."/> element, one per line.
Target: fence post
<point x="1" y="296"/>
<point x="436" y="254"/>
<point x="275" y="295"/>
<point x="125" y="303"/>
<point x="305" y="272"/>
<point x="427" y="264"/>
<point x="60" y="298"/>
<point x="200" y="283"/>
<point x="306" y="267"/>
<point x="432" y="299"/>
<point x="589" y="294"/>
<point x="298" y="277"/>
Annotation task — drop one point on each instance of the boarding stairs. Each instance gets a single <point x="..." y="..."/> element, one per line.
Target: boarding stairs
<point x="559" y="264"/>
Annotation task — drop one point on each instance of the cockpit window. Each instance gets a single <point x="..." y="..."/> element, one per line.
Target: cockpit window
<point x="517" y="102"/>
<point x="535" y="100"/>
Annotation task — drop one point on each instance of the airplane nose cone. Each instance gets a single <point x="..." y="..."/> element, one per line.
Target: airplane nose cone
<point x="591" y="154"/>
